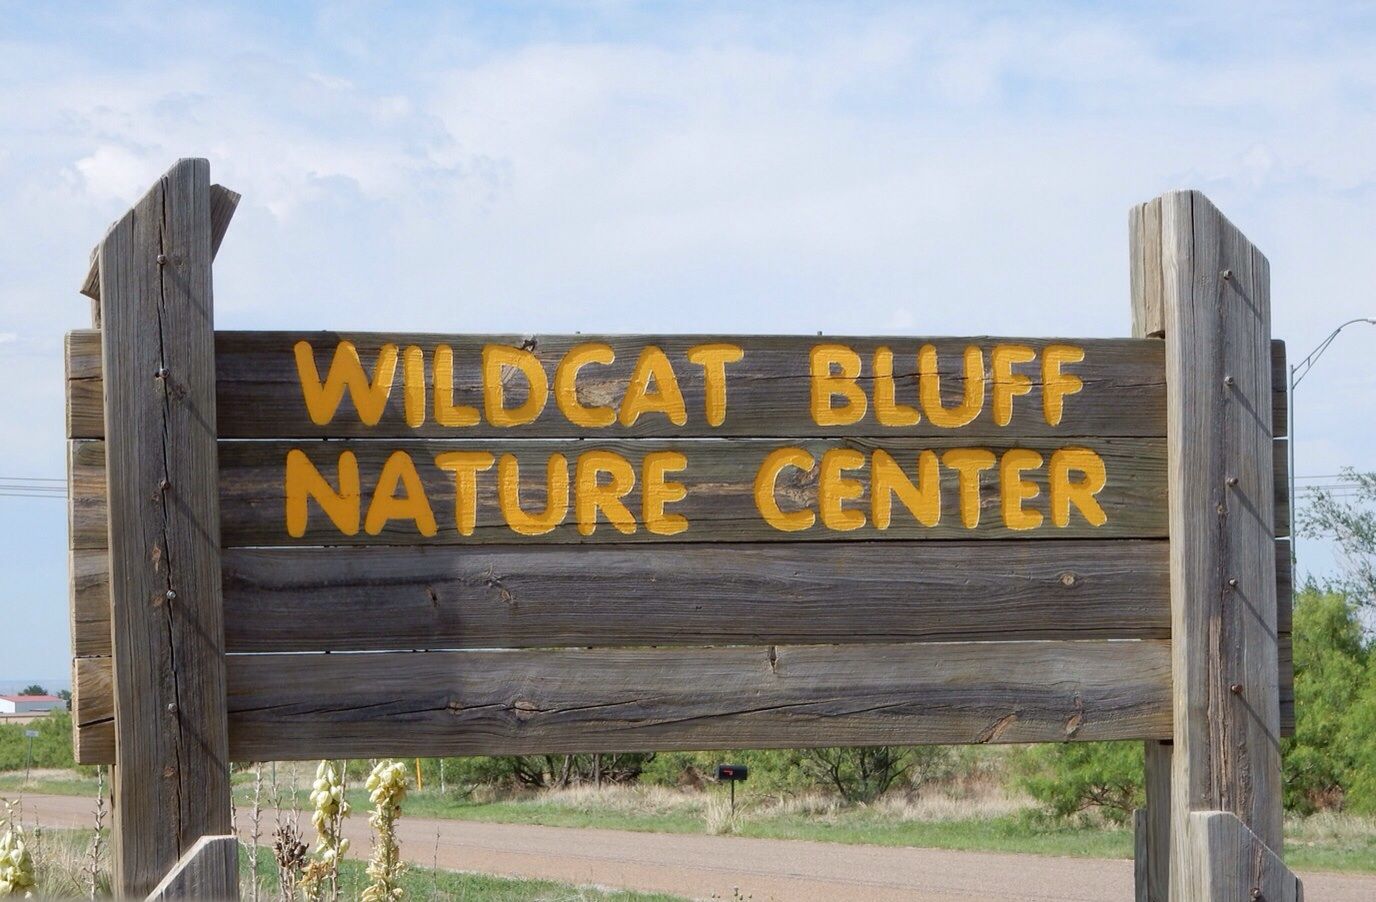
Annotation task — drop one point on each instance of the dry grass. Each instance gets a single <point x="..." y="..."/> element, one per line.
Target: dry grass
<point x="623" y="799"/>
<point x="720" y="819"/>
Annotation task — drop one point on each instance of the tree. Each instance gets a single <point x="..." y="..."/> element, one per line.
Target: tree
<point x="1331" y="674"/>
<point x="1076" y="777"/>
<point x="1351" y="523"/>
<point x="33" y="689"/>
<point x="860" y="774"/>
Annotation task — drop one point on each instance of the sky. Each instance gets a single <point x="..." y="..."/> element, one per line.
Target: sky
<point x="915" y="168"/>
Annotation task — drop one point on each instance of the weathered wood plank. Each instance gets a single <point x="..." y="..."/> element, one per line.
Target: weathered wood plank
<point x="1280" y="390"/>
<point x="323" y="599"/>
<point x="97" y="745"/>
<point x="1232" y="863"/>
<point x="1152" y="826"/>
<point x="93" y="710"/>
<point x="171" y="785"/>
<point x="209" y="870"/>
<point x="517" y="702"/>
<point x="1219" y="359"/>
<point x="767" y="392"/>
<point x="719" y="504"/>
<point x="90" y="601"/>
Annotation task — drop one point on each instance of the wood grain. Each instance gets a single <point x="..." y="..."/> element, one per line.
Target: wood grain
<point x="171" y="785"/>
<point x="517" y="597"/>
<point x="1234" y="864"/>
<point x="1216" y="290"/>
<point x="209" y="870"/>
<point x="97" y="739"/>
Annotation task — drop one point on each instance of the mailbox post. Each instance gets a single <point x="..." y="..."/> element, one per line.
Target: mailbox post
<point x="732" y="774"/>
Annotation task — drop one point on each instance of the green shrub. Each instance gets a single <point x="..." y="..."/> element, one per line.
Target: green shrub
<point x="1079" y="777"/>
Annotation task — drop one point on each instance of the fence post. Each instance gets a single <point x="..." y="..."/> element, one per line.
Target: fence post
<point x="171" y="779"/>
<point x="1198" y="281"/>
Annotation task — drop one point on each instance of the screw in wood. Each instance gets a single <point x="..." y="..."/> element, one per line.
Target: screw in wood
<point x="1235" y="689"/>
<point x="1256" y="892"/>
<point x="1232" y="481"/>
<point x="171" y="595"/>
<point x="162" y="259"/>
<point x="1228" y="380"/>
<point x="1232" y="582"/>
<point x="171" y="707"/>
<point x="160" y="373"/>
<point x="1227" y="274"/>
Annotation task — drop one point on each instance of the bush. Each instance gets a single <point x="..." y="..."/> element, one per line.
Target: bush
<point x="51" y="748"/>
<point x="1080" y="777"/>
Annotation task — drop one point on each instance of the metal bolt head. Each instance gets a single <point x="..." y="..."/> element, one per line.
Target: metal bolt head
<point x="1228" y="380"/>
<point x="1235" y="689"/>
<point x="164" y="485"/>
<point x="1232" y="582"/>
<point x="1256" y="892"/>
<point x="171" y="707"/>
<point x="1227" y="274"/>
<point x="160" y="373"/>
<point x="1232" y="480"/>
<point x="171" y="595"/>
<point x="162" y="259"/>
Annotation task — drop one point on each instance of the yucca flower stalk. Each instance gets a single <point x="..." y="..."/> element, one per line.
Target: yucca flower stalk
<point x="386" y="789"/>
<point x="16" y="862"/>
<point x="330" y="809"/>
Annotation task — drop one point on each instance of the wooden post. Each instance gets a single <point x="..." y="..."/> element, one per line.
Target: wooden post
<point x="1151" y="823"/>
<point x="1198" y="281"/>
<point x="171" y="779"/>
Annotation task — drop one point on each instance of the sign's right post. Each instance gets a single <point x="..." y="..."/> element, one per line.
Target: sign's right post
<point x="1201" y="285"/>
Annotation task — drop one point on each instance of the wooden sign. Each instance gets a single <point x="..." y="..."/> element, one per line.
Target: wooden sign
<point x="552" y="544"/>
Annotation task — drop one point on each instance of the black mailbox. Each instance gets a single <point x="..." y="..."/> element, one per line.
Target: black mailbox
<point x="735" y="773"/>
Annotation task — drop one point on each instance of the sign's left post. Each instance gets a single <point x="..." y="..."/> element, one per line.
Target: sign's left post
<point x="171" y="777"/>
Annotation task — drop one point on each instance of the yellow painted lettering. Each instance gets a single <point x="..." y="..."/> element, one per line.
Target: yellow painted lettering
<point x="827" y="384"/>
<point x="566" y="386"/>
<point x="399" y="472"/>
<point x="496" y="360"/>
<point x="1080" y="493"/>
<point x="968" y="463"/>
<point x="766" y="490"/>
<point x="413" y="386"/>
<point x="834" y="488"/>
<point x="929" y="388"/>
<point x="657" y="492"/>
<point x="887" y="479"/>
<point x="653" y="367"/>
<point x="1014" y="490"/>
<point x="713" y="359"/>
<point x="303" y="482"/>
<point x="465" y="465"/>
<point x="447" y="413"/>
<point x="592" y="496"/>
<point x="887" y="410"/>
<point x="1056" y="385"/>
<point x="556" y="496"/>
<point x="1008" y="383"/>
<point x="346" y="373"/>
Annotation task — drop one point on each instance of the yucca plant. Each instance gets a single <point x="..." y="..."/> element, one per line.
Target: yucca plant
<point x="386" y="789"/>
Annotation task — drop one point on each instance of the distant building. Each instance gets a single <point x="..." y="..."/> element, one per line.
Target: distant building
<point x="30" y="704"/>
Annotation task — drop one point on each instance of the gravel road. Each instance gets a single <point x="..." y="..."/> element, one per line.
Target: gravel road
<point x="763" y="869"/>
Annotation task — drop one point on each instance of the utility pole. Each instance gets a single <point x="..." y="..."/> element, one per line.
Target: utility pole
<point x="1297" y="373"/>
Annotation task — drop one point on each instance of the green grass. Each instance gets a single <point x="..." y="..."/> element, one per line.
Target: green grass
<point x="427" y="883"/>
<point x="1322" y="842"/>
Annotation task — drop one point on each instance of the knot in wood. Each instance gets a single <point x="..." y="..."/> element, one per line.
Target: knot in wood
<point x="1069" y="579"/>
<point x="524" y="709"/>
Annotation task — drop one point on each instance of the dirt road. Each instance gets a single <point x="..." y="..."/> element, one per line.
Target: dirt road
<point x="763" y="869"/>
